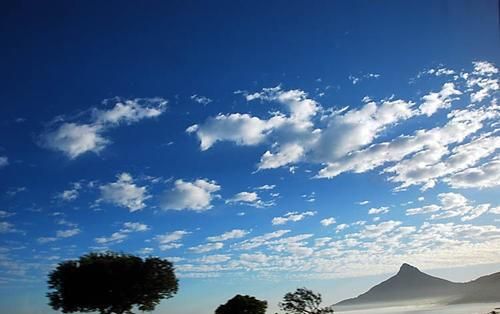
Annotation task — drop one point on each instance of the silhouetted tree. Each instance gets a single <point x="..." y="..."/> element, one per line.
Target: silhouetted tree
<point x="304" y="301"/>
<point x="111" y="283"/>
<point x="243" y="304"/>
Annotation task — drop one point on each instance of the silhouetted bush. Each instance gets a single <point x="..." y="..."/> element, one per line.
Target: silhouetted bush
<point x="111" y="283"/>
<point x="243" y="304"/>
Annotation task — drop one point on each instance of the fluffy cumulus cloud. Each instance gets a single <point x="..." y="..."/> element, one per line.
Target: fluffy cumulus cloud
<point x="379" y="210"/>
<point x="483" y="176"/>
<point x="207" y="247"/>
<point x="242" y="129"/>
<point x="347" y="139"/>
<point x="421" y="158"/>
<point x="432" y="102"/>
<point x="287" y="154"/>
<point x="70" y="194"/>
<point x="123" y="233"/>
<point x="451" y="205"/>
<point x="196" y="195"/>
<point x="233" y="234"/>
<point x="248" y="198"/>
<point x="75" y="138"/>
<point x="355" y="128"/>
<point x="67" y="233"/>
<point x="171" y="240"/>
<point x="61" y="234"/>
<point x="292" y="217"/>
<point x="125" y="193"/>
<point x="328" y="221"/>
<point x="483" y="81"/>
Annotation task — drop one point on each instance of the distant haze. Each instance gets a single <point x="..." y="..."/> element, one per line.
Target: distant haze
<point x="410" y="286"/>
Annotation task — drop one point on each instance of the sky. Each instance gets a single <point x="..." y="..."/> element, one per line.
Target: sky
<point x="260" y="146"/>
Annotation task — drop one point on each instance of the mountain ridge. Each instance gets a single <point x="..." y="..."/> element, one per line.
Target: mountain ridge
<point x="411" y="284"/>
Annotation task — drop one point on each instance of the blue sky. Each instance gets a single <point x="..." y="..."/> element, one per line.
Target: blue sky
<point x="260" y="146"/>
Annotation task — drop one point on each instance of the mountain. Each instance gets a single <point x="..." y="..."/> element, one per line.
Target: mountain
<point x="410" y="284"/>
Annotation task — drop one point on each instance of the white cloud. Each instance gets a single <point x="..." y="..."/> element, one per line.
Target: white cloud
<point x="328" y="221"/>
<point x="266" y="187"/>
<point x="440" y="71"/>
<point x="341" y="227"/>
<point x="375" y="231"/>
<point x="116" y="237"/>
<point x="130" y="110"/>
<point x="292" y="129"/>
<point x="482" y="78"/>
<point x="5" y="214"/>
<point x="242" y="129"/>
<point x="423" y="210"/>
<point x="248" y="198"/>
<point x="356" y="128"/>
<point x="171" y="240"/>
<point x="292" y="216"/>
<point x="344" y="140"/>
<point x="197" y="195"/>
<point x="319" y="242"/>
<point x="484" y="68"/>
<point x="14" y="191"/>
<point x="356" y="79"/>
<point x="289" y="153"/>
<point x="146" y="251"/>
<point x="67" y="233"/>
<point x="43" y="240"/>
<point x="484" y="176"/>
<point x="125" y="193"/>
<point x="4" y="161"/>
<point x="377" y="211"/>
<point x="201" y="99"/>
<point x="214" y="259"/>
<point x="70" y="194"/>
<point x="122" y="234"/>
<point x="363" y="202"/>
<point x="378" y="249"/>
<point x="451" y="205"/>
<point x="74" y="139"/>
<point x="207" y="247"/>
<point x="6" y="227"/>
<point x="432" y="102"/>
<point x="229" y="235"/>
<point x="134" y="227"/>
<point x="295" y="101"/>
<point x="254" y="258"/>
<point x="426" y="148"/>
<point x="258" y="241"/>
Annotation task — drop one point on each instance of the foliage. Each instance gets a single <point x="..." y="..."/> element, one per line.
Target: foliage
<point x="243" y="304"/>
<point x="111" y="283"/>
<point x="304" y="301"/>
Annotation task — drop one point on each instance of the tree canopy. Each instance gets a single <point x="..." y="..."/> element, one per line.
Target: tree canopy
<point x="304" y="301"/>
<point x="243" y="304"/>
<point x="111" y="283"/>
